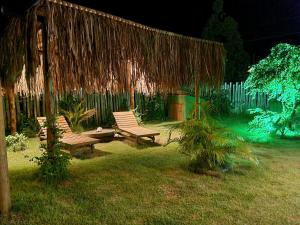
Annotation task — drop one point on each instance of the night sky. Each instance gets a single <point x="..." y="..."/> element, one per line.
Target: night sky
<point x="262" y="23"/>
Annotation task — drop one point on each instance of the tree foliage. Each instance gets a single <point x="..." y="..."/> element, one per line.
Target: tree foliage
<point x="53" y="163"/>
<point x="73" y="109"/>
<point x="224" y="28"/>
<point x="278" y="75"/>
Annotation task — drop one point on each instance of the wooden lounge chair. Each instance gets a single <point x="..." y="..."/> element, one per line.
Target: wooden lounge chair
<point x="71" y="140"/>
<point x="126" y="122"/>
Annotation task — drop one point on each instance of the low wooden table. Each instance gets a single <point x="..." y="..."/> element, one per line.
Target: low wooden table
<point x="104" y="135"/>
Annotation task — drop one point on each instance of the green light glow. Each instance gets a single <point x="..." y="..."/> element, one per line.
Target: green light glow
<point x="278" y="75"/>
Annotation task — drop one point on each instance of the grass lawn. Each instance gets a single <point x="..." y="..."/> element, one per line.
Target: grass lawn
<point x="151" y="186"/>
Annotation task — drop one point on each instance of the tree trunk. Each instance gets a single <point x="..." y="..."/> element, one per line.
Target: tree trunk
<point x="47" y="87"/>
<point x="4" y="181"/>
<point x="49" y="116"/>
<point x="12" y="108"/>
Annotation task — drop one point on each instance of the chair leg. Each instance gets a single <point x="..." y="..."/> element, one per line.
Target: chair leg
<point x="152" y="138"/>
<point x="92" y="148"/>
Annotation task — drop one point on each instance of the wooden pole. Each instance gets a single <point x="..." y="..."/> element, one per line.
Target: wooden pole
<point x="6" y="112"/>
<point x="47" y="87"/>
<point x="18" y="107"/>
<point x="196" y="98"/>
<point x="12" y="108"/>
<point x="130" y="87"/>
<point x="5" y="201"/>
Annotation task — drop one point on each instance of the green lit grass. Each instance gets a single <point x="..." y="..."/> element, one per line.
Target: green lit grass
<point x="238" y="124"/>
<point x="151" y="186"/>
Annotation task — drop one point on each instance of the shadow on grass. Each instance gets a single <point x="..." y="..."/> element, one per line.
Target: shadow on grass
<point x="291" y="138"/>
<point x="87" y="154"/>
<point x="143" y="143"/>
<point x="170" y="124"/>
<point x="266" y="155"/>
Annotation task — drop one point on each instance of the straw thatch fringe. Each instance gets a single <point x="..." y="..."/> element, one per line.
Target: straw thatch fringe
<point x="12" y="49"/>
<point x="91" y="50"/>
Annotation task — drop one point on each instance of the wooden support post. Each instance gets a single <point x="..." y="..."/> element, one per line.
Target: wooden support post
<point x="28" y="104"/>
<point x="6" y="112"/>
<point x="43" y="104"/>
<point x="5" y="202"/>
<point x="130" y="86"/>
<point x="18" y="108"/>
<point x="37" y="98"/>
<point x="34" y="106"/>
<point x="196" y="98"/>
<point x="12" y="108"/>
<point x="48" y="94"/>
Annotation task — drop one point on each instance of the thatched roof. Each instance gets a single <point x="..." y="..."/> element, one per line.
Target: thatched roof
<point x="91" y="49"/>
<point x="12" y="51"/>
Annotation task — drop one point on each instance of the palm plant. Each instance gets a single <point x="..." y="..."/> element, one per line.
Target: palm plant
<point x="76" y="114"/>
<point x="210" y="146"/>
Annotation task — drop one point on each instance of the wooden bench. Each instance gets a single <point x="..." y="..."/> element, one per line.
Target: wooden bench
<point x="71" y="140"/>
<point x="126" y="122"/>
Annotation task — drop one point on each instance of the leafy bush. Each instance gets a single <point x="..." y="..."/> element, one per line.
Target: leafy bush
<point x="68" y="102"/>
<point x="75" y="112"/>
<point x="154" y="108"/>
<point x="138" y="116"/>
<point x="271" y="122"/>
<point x="219" y="104"/>
<point x="18" y="142"/>
<point x="218" y="101"/>
<point x="28" y="126"/>
<point x="209" y="146"/>
<point x="54" y="162"/>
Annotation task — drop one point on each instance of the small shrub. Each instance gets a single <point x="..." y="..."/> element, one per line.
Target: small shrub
<point x="68" y="102"/>
<point x="271" y="122"/>
<point x="28" y="126"/>
<point x="53" y="168"/>
<point x="18" y="142"/>
<point x="210" y="147"/>
<point x="138" y="116"/>
<point x="76" y="113"/>
<point x="154" y="108"/>
<point x="53" y="163"/>
<point x="219" y="104"/>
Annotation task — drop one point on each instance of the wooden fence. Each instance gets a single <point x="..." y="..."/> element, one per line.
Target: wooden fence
<point x="34" y="106"/>
<point x="239" y="99"/>
<point x="105" y="104"/>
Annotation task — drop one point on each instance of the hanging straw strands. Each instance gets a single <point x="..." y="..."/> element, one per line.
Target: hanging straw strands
<point x="141" y="26"/>
<point x="92" y="50"/>
<point x="12" y="51"/>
